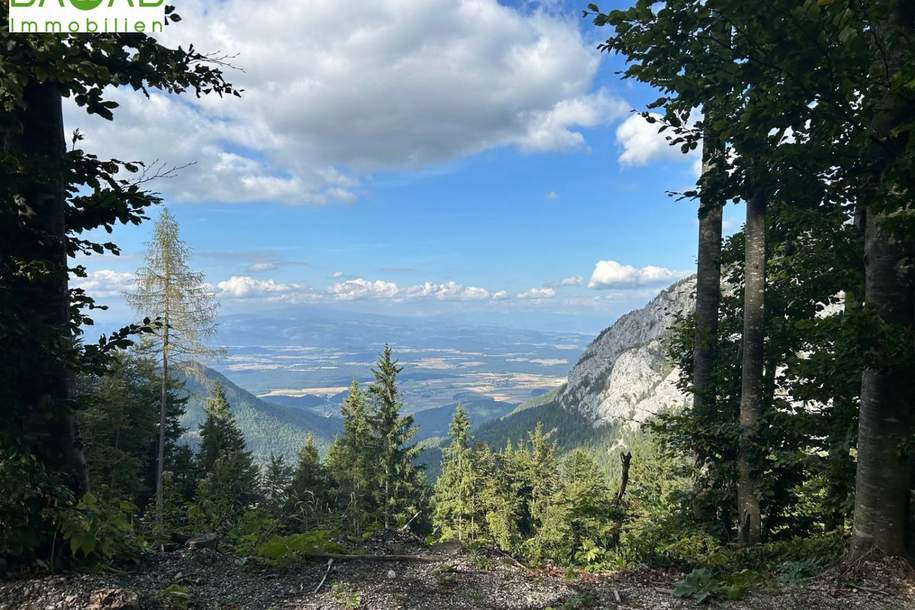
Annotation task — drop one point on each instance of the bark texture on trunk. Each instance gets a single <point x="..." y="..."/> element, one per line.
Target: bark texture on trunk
<point x="708" y="280"/>
<point x="884" y="472"/>
<point x="751" y="391"/>
<point x="50" y="426"/>
<point x="160" y="447"/>
<point x="884" y="499"/>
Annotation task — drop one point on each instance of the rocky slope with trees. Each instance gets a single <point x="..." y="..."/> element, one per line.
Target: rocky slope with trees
<point x="625" y="374"/>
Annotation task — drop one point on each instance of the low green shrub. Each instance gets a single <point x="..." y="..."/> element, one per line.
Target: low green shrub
<point x="704" y="585"/>
<point x="101" y="530"/>
<point x="252" y="529"/>
<point x="281" y="551"/>
<point x="175" y="597"/>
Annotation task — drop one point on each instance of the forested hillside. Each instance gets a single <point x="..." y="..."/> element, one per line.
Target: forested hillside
<point x="269" y="429"/>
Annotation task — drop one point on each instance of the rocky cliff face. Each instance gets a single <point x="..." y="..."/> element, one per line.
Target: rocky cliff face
<point x="624" y="376"/>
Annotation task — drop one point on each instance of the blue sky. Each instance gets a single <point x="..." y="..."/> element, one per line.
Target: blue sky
<point x="466" y="159"/>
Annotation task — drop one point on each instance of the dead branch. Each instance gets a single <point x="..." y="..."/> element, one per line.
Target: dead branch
<point x="625" y="461"/>
<point x="330" y="564"/>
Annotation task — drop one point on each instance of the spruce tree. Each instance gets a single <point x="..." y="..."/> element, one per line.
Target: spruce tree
<point x="219" y="434"/>
<point x="230" y="483"/>
<point x="309" y="490"/>
<point x="350" y="462"/>
<point x="457" y="491"/>
<point x="276" y="479"/>
<point x="400" y="482"/>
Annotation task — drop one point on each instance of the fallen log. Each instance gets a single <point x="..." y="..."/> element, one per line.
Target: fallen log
<point x="345" y="557"/>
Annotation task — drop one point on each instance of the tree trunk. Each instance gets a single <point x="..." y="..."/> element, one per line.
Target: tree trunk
<point x="751" y="391"/>
<point x="163" y="404"/>
<point x="708" y="282"/>
<point x="883" y="477"/>
<point x="51" y="428"/>
<point x="883" y="482"/>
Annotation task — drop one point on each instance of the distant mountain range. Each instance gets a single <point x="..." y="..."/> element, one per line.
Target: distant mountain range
<point x="622" y="378"/>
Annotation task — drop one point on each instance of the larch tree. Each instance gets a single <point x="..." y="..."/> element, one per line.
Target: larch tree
<point x="169" y="291"/>
<point x="50" y="199"/>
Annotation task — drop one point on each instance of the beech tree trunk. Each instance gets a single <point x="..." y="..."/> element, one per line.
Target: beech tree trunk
<point x="749" y="527"/>
<point x="883" y="485"/>
<point x="883" y="476"/>
<point x="708" y="278"/>
<point x="50" y="426"/>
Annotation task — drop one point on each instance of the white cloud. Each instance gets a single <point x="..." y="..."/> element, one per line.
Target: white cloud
<point x="641" y="142"/>
<point x="449" y="291"/>
<point x="105" y="283"/>
<point x="552" y="195"/>
<point x="611" y="274"/>
<point x="537" y="294"/>
<point x="329" y="97"/>
<point x="572" y="280"/>
<point x="245" y="287"/>
<point x="553" y="130"/>
<point x="359" y="288"/>
<point x="262" y="267"/>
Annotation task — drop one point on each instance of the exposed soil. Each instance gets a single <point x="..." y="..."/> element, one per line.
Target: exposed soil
<point x="456" y="579"/>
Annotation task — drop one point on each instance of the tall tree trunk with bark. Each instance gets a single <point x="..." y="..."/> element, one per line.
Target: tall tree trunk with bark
<point x="50" y="426"/>
<point x="749" y="528"/>
<point x="163" y="412"/>
<point x="708" y="278"/>
<point x="884" y="497"/>
<point x="883" y="477"/>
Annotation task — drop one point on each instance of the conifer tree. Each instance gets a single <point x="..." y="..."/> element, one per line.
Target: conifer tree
<point x="169" y="291"/>
<point x="276" y="479"/>
<point x="120" y="425"/>
<point x="542" y="472"/>
<point x="230" y="483"/>
<point x="400" y="482"/>
<point x="309" y="490"/>
<point x="457" y="491"/>
<point x="219" y="433"/>
<point x="500" y="496"/>
<point x="350" y="461"/>
<point x="579" y="522"/>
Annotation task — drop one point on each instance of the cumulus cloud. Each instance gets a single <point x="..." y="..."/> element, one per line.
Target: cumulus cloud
<point x="537" y="294"/>
<point x="245" y="287"/>
<point x="360" y="288"/>
<point x="105" y="283"/>
<point x="611" y="274"/>
<point x="450" y="291"/>
<point x="329" y="98"/>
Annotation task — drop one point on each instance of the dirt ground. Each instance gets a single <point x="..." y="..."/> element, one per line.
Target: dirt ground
<point x="453" y="579"/>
